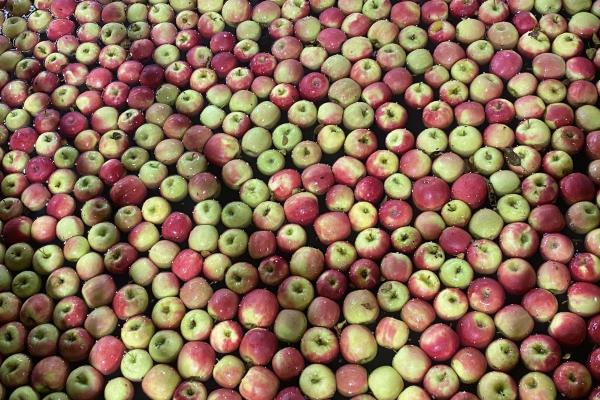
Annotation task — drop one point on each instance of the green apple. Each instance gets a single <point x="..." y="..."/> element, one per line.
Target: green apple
<point x="296" y="292"/>
<point x="450" y="304"/>
<point x="164" y="285"/>
<point x="505" y="182"/>
<point x="236" y="215"/>
<point x="163" y="252"/>
<point x="253" y="192"/>
<point x="212" y="116"/>
<point x="143" y="271"/>
<point x="488" y="160"/>
<point x="233" y="242"/>
<point x="432" y="140"/>
<point x="156" y="210"/>
<point x="215" y="266"/>
<point x="270" y="161"/>
<point x="18" y="257"/>
<point x="290" y="325"/>
<point x="413" y="392"/>
<point x="5" y="278"/>
<point x="360" y="307"/>
<point x="358" y="115"/>
<point x="306" y="153"/>
<point x="303" y="113"/>
<point x="392" y="296"/>
<point x="46" y="259"/>
<point x="196" y="325"/>
<point x="486" y="224"/>
<point x="102" y="236"/>
<point x="203" y="238"/>
<point x="255" y="141"/>
<point x="174" y="188"/>
<point x="502" y="355"/>
<point x="411" y="363"/>
<point x="68" y="227"/>
<point x="75" y="248"/>
<point x="418" y="61"/>
<point x="165" y="345"/>
<point x="397" y="186"/>
<point x="331" y="139"/>
<point x="24" y="392"/>
<point x="84" y="381"/>
<point x="207" y="212"/>
<point x="119" y="388"/>
<point x="218" y="95"/>
<point x="465" y="140"/>
<point x="385" y="383"/>
<point x="134" y="157"/>
<point x="456" y="213"/>
<point x="317" y="382"/>
<point x="269" y="215"/>
<point x="15" y="369"/>
<point x="340" y="255"/>
<point x="191" y="163"/>
<point x="127" y="217"/>
<point x="135" y="364"/>
<point x="497" y="386"/>
<point x="26" y="283"/>
<point x="148" y="135"/>
<point x="448" y="166"/>
<point x="265" y="115"/>
<point x="243" y="101"/>
<point x="513" y="208"/>
<point x="137" y="332"/>
<point x="537" y="385"/>
<point x="65" y="157"/>
<point x="412" y="37"/>
<point x="286" y="136"/>
<point x="456" y="273"/>
<point x="406" y="238"/>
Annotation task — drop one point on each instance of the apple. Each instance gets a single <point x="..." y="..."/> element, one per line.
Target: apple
<point x="135" y="364"/>
<point x="350" y="336"/>
<point x="317" y="381"/>
<point x="160" y="382"/>
<point x="541" y="304"/>
<point x="497" y="385"/>
<point x="259" y="383"/>
<point x="540" y="353"/>
<point x="469" y="364"/>
<point x="475" y="329"/>
<point x="572" y="379"/>
<point x="441" y="381"/>
<point x="439" y="341"/>
<point x="196" y="359"/>
<point x="290" y="325"/>
<point x="412" y="363"/>
<point x="514" y="322"/>
<point x="351" y="380"/>
<point x="84" y="382"/>
<point x="385" y="383"/>
<point x="535" y="384"/>
<point x="567" y="328"/>
<point x="106" y="354"/>
<point x="287" y="363"/>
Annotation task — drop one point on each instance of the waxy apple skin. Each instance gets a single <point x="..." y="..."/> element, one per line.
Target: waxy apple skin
<point x="358" y="230"/>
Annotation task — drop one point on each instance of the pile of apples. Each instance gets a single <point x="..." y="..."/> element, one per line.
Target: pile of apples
<point x="299" y="199"/>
